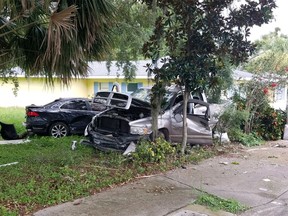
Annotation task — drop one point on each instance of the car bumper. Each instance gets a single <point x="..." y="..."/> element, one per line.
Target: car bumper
<point x="36" y="128"/>
<point x="110" y="143"/>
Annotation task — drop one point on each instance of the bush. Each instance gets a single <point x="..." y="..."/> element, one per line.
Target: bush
<point x="153" y="152"/>
<point x="251" y="125"/>
<point x="246" y="139"/>
<point x="270" y="124"/>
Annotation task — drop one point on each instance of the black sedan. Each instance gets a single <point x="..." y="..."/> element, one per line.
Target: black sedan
<point x="62" y="117"/>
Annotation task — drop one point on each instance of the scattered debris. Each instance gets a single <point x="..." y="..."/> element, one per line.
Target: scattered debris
<point x="160" y="190"/>
<point x="272" y="156"/>
<point x="277" y="203"/>
<point x="147" y="176"/>
<point x="263" y="189"/>
<point x="8" y="164"/>
<point x="8" y="132"/>
<point x="235" y="163"/>
<point x="19" y="141"/>
<point x="280" y="146"/>
<point x="130" y="149"/>
<point x="78" y="202"/>
<point x="73" y="145"/>
<point x="225" y="163"/>
<point x="266" y="180"/>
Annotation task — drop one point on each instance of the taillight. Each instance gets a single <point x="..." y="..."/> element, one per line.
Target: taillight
<point x="32" y="114"/>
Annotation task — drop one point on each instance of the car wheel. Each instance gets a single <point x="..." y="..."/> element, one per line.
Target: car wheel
<point x="58" y="130"/>
<point x="163" y="133"/>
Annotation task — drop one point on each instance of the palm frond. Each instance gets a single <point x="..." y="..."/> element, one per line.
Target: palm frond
<point x="61" y="30"/>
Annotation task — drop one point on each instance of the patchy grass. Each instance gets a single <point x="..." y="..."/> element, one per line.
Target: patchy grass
<point x="216" y="203"/>
<point x="13" y="115"/>
<point x="48" y="172"/>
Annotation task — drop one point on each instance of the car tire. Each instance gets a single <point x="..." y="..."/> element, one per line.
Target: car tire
<point x="58" y="130"/>
<point x="163" y="133"/>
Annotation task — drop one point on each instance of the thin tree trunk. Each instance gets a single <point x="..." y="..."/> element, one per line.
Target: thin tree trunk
<point x="154" y="114"/>
<point x="184" y="131"/>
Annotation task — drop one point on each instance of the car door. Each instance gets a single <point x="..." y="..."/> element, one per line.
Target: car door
<point x="78" y="114"/>
<point x="198" y="130"/>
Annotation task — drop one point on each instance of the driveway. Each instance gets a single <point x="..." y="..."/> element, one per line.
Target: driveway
<point x="256" y="177"/>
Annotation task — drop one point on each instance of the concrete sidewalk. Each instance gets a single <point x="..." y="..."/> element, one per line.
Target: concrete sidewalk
<point x="256" y="177"/>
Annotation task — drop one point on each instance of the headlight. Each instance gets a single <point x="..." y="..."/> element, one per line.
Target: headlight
<point x="140" y="130"/>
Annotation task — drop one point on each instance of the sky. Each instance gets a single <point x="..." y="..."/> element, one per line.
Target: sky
<point x="281" y="21"/>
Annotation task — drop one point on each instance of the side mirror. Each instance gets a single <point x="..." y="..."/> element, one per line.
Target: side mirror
<point x="178" y="117"/>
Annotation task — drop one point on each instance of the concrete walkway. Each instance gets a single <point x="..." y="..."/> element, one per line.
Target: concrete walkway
<point x="256" y="177"/>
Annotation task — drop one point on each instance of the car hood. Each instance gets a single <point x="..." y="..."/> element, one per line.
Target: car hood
<point x="119" y="100"/>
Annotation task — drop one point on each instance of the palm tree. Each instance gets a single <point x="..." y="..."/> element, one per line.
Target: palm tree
<point x="54" y="38"/>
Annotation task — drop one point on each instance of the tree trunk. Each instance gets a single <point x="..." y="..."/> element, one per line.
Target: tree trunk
<point x="156" y="106"/>
<point x="184" y="131"/>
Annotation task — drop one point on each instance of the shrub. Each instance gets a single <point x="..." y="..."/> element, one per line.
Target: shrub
<point x="153" y="152"/>
<point x="250" y="125"/>
<point x="270" y="124"/>
<point x="250" y="139"/>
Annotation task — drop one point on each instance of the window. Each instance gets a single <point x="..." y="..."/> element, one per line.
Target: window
<point x="131" y="87"/>
<point x="74" y="105"/>
<point x="104" y="86"/>
<point x="279" y="93"/>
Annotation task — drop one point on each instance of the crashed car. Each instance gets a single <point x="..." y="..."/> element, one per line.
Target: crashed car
<point x="61" y="117"/>
<point x="129" y="119"/>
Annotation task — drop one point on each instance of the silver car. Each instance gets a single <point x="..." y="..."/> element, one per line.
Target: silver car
<point x="129" y="119"/>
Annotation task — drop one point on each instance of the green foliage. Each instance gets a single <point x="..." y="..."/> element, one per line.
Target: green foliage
<point x="5" y="212"/>
<point x="232" y="121"/>
<point x="271" y="55"/>
<point x="219" y="83"/>
<point x="200" y="37"/>
<point x="44" y="39"/>
<point x="270" y="123"/>
<point x="263" y="120"/>
<point x="134" y="25"/>
<point x="251" y="139"/>
<point x="251" y="119"/>
<point x="153" y="152"/>
<point x="216" y="203"/>
<point x="232" y="118"/>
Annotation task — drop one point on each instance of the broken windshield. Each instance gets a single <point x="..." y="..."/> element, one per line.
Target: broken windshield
<point x="144" y="94"/>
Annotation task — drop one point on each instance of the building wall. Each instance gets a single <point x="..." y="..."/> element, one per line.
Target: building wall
<point x="279" y="98"/>
<point x="35" y="91"/>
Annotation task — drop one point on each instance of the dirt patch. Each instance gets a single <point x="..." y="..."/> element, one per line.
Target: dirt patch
<point x="273" y="151"/>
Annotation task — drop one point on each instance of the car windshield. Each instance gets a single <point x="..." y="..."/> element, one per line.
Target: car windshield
<point x="144" y="94"/>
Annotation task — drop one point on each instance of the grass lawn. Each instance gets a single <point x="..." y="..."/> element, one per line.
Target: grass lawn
<point x="47" y="172"/>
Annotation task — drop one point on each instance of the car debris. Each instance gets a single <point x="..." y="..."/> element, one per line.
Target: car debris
<point x="8" y="132"/>
<point x="130" y="149"/>
<point x="73" y="145"/>
<point x="8" y="164"/>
